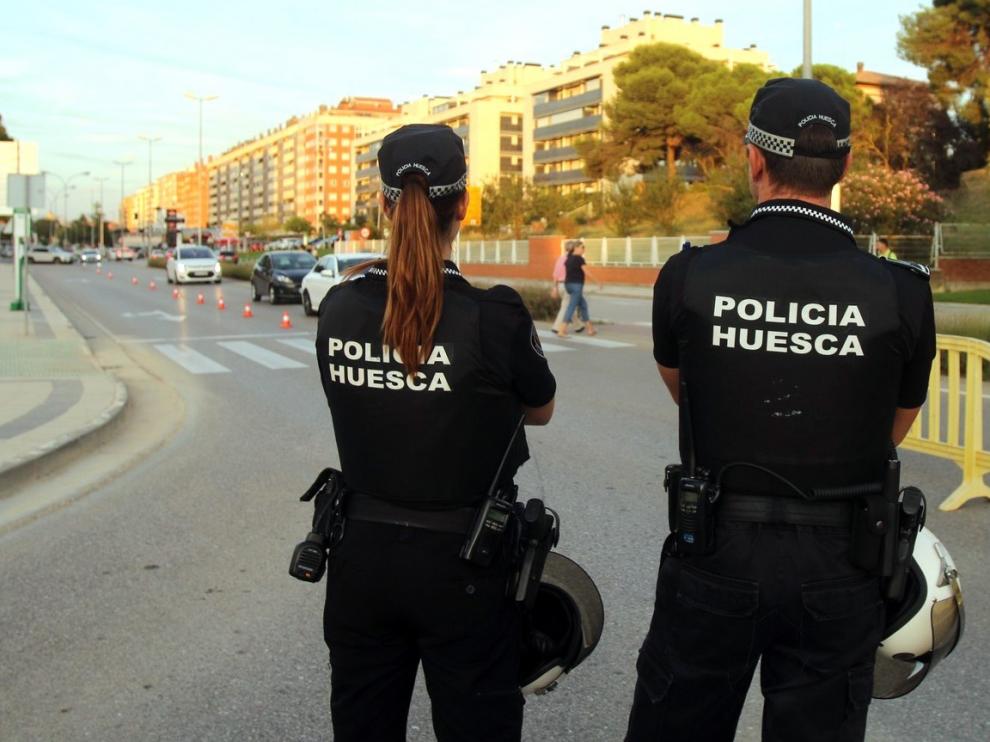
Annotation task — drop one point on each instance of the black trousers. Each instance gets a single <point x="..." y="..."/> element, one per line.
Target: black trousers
<point x="398" y="596"/>
<point x="786" y="595"/>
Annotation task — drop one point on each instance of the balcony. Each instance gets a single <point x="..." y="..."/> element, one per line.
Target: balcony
<point x="566" y="104"/>
<point x="555" y="154"/>
<point x="366" y="172"/>
<point x="369" y="156"/>
<point x="564" y="177"/>
<point x="578" y="126"/>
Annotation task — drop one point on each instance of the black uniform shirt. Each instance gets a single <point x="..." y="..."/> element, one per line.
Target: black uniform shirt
<point x="436" y="440"/>
<point x="795" y="345"/>
<point x="574" y="269"/>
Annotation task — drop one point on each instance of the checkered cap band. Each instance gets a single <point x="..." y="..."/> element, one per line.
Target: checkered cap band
<point x="392" y="193"/>
<point x="770" y="142"/>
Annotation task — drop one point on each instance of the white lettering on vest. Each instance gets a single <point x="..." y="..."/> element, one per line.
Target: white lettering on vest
<point x="391" y="379"/>
<point x="729" y="336"/>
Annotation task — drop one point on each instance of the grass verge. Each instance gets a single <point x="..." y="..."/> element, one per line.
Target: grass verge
<point x="974" y="296"/>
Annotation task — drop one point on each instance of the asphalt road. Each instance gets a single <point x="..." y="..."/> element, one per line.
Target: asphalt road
<point x="159" y="607"/>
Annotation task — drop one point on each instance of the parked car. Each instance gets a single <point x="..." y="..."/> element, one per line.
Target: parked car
<point x="90" y="255"/>
<point x="158" y="252"/>
<point x="279" y="275"/>
<point x="46" y="254"/>
<point x="122" y="252"/>
<point x="228" y="255"/>
<point x="193" y="263"/>
<point x="327" y="273"/>
<point x="285" y="243"/>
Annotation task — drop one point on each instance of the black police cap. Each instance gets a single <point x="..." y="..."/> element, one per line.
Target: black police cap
<point x="433" y="150"/>
<point x="785" y="105"/>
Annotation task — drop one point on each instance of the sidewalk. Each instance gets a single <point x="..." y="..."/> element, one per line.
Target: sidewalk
<point x="53" y="394"/>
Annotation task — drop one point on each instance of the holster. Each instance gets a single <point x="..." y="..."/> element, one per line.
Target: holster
<point x="538" y="532"/>
<point x="328" y="492"/>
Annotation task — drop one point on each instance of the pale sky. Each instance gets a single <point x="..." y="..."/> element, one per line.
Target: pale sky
<point x="83" y="80"/>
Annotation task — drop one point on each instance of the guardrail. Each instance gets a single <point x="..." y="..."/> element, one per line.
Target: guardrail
<point x="954" y="436"/>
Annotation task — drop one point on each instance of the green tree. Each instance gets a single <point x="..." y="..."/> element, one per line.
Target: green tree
<point x="660" y="200"/>
<point x="298" y="225"/>
<point x="4" y="136"/>
<point x="46" y="230"/>
<point x="643" y="124"/>
<point x="330" y="223"/>
<point x="951" y="40"/>
<point x="623" y="210"/>
<point x="728" y="190"/>
<point x="503" y="205"/>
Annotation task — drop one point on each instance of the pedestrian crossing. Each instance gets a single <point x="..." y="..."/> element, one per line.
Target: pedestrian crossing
<point x="221" y="354"/>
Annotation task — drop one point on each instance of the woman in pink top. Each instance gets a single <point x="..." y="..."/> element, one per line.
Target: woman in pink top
<point x="558" y="282"/>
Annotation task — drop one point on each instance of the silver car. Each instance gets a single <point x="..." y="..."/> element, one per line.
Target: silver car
<point x="193" y="263"/>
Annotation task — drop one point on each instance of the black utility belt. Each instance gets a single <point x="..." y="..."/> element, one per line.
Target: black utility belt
<point x="361" y="507"/>
<point x="777" y="509"/>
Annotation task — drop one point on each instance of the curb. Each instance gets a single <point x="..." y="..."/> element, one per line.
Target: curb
<point x="66" y="448"/>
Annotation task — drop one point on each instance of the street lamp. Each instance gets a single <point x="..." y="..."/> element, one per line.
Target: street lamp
<point x="123" y="214"/>
<point x="201" y="99"/>
<point x="147" y="228"/>
<point x="99" y="214"/>
<point x="65" y="196"/>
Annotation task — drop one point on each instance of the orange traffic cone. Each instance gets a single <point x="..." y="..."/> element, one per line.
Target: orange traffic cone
<point x="200" y="299"/>
<point x="134" y="281"/>
<point x="152" y="285"/>
<point x="221" y="305"/>
<point x="286" y="322"/>
<point x="247" y="311"/>
<point x="98" y="270"/>
<point x="175" y="293"/>
<point x="110" y="275"/>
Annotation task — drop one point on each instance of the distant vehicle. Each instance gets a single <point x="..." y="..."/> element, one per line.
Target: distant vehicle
<point x="279" y="275"/>
<point x="90" y="255"/>
<point x="228" y="255"/>
<point x="285" y="243"/>
<point x="45" y="254"/>
<point x="327" y="273"/>
<point x="122" y="252"/>
<point x="6" y="250"/>
<point x="157" y="252"/>
<point x="193" y="263"/>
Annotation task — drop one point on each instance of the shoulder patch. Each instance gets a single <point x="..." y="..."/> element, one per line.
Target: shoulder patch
<point x="534" y="337"/>
<point x="919" y="269"/>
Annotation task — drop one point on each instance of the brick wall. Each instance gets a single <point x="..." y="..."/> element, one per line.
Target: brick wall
<point x="956" y="274"/>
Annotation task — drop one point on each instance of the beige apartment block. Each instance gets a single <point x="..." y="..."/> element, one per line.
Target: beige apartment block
<point x="525" y="119"/>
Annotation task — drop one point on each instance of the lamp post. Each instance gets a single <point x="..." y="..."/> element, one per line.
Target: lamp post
<point x="65" y="198"/>
<point x="99" y="214"/>
<point x="123" y="214"/>
<point x="147" y="225"/>
<point x="806" y="69"/>
<point x="201" y="99"/>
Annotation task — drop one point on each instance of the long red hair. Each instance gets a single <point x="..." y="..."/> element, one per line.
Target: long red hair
<point x="420" y="232"/>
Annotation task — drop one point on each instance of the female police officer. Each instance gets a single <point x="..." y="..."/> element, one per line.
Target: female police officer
<point x="426" y="378"/>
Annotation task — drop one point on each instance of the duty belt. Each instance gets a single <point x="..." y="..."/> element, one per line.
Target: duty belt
<point x="375" y="510"/>
<point x="788" y="510"/>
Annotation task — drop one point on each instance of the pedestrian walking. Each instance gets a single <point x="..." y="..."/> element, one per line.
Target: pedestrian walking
<point x="796" y="360"/>
<point x="575" y="273"/>
<point x="884" y="251"/>
<point x="427" y="379"/>
<point x="559" y="291"/>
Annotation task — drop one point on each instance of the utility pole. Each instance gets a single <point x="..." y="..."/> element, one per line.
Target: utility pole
<point x="201" y="99"/>
<point x="806" y="70"/>
<point x="99" y="213"/>
<point x="65" y="198"/>
<point x="147" y="221"/>
<point x="123" y="214"/>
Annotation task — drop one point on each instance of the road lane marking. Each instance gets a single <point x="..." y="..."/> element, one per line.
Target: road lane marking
<point x="553" y="348"/>
<point x="307" y="345"/>
<point x="235" y="336"/>
<point x="259" y="355"/>
<point x="592" y="342"/>
<point x="191" y="360"/>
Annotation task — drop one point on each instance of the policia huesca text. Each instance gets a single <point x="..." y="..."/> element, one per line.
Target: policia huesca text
<point x="797" y="361"/>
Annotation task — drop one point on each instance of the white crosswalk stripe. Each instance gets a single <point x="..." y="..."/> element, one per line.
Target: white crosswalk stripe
<point x="553" y="347"/>
<point x="192" y="361"/>
<point x="590" y="342"/>
<point x="307" y="345"/>
<point x="262" y="356"/>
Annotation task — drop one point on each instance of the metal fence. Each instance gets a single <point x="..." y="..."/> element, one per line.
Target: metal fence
<point x="636" y="252"/>
<point x="495" y="252"/>
<point x="353" y="246"/>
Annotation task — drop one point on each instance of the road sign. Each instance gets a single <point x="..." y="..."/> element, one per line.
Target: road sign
<point x="26" y="191"/>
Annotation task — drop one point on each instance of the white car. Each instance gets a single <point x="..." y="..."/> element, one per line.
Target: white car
<point x="46" y="254"/>
<point x="326" y="274"/>
<point x="193" y="263"/>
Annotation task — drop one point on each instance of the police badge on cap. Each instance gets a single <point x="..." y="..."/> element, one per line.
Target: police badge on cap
<point x="432" y="150"/>
<point x="785" y="105"/>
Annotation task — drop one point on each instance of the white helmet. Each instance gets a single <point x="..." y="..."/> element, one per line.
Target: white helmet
<point x="564" y="625"/>
<point x="925" y="625"/>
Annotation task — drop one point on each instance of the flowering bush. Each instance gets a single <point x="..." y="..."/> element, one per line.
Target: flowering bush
<point x="882" y="200"/>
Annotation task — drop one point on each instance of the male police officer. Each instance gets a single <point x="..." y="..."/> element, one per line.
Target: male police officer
<point x="796" y="360"/>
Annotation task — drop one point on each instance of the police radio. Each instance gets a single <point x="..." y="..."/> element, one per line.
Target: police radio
<point x="309" y="558"/>
<point x="485" y="538"/>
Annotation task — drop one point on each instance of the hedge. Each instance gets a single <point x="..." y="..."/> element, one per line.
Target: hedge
<point x="536" y="298"/>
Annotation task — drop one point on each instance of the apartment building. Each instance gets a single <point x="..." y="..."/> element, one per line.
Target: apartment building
<point x="302" y="168"/>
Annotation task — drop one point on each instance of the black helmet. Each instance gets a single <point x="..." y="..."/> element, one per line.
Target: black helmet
<point x="563" y="627"/>
<point x="925" y="625"/>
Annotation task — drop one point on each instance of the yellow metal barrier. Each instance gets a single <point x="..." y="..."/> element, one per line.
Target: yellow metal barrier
<point x="939" y="433"/>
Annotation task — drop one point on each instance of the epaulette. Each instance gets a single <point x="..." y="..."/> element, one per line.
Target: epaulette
<point x="919" y="269"/>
